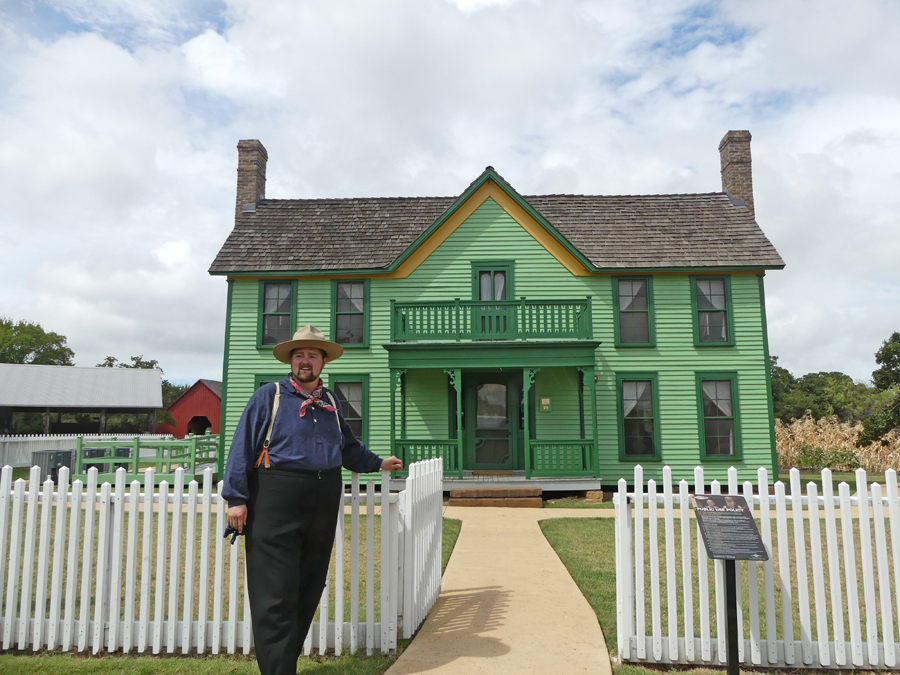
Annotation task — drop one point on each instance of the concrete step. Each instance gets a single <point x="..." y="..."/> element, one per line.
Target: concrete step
<point x="511" y="502"/>
<point x="516" y="497"/>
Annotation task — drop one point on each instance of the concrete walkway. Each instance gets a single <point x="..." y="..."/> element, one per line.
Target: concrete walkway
<point x="507" y="604"/>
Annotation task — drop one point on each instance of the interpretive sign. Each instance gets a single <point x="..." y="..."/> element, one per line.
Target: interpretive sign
<point x="728" y="529"/>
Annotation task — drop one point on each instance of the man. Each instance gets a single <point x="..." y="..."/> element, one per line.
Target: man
<point x="284" y="489"/>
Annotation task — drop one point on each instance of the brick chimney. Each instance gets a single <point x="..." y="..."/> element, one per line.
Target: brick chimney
<point x="737" y="177"/>
<point x="251" y="174"/>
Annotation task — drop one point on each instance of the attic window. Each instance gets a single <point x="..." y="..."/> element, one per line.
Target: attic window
<point x="350" y="301"/>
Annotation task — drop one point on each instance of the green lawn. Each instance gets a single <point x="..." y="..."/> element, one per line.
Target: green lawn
<point x="586" y="547"/>
<point x="575" y="503"/>
<point x="118" y="664"/>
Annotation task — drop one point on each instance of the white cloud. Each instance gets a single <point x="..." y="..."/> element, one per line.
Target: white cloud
<point x="117" y="159"/>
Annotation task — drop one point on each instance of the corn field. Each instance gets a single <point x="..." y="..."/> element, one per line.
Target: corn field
<point x="833" y="436"/>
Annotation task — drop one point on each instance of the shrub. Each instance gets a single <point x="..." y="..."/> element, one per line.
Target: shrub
<point x="830" y="443"/>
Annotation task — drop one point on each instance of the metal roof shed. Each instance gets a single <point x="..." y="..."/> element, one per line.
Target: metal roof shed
<point x="72" y="389"/>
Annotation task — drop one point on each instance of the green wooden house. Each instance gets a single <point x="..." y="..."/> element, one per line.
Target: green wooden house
<point x="557" y="338"/>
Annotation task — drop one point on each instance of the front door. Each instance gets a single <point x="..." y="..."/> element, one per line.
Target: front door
<point x="492" y="404"/>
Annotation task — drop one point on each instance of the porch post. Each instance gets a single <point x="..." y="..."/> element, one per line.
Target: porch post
<point x="455" y="375"/>
<point x="403" y="405"/>
<point x="394" y="377"/>
<point x="589" y="374"/>
<point x="527" y="380"/>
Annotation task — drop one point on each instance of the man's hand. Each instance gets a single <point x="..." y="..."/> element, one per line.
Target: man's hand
<point x="237" y="516"/>
<point x="389" y="464"/>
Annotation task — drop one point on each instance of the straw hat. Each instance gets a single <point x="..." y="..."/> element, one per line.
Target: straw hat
<point x="308" y="336"/>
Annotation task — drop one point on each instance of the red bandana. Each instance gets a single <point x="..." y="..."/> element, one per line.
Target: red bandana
<point x="315" y="398"/>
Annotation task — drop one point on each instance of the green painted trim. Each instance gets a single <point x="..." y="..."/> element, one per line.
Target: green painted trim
<point x="335" y="378"/>
<point x="651" y="314"/>
<point x="260" y="316"/>
<point x="366" y="312"/>
<point x="490" y="174"/>
<point x="653" y="377"/>
<point x="600" y="271"/>
<point x="771" y="402"/>
<point x="220" y="459"/>
<point x="508" y="266"/>
<point x="729" y="311"/>
<point x="732" y="376"/>
<point x="492" y="355"/>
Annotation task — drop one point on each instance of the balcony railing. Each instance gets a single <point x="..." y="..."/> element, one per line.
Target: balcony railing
<point x="521" y="319"/>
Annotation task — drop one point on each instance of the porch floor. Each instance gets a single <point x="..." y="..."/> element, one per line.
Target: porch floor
<point x="517" y="479"/>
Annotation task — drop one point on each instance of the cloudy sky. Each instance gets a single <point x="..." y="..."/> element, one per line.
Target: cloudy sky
<point x="119" y="120"/>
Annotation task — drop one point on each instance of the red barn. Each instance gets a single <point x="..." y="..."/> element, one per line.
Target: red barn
<point x="196" y="410"/>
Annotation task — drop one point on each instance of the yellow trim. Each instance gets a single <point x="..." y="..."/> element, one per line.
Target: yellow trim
<point x="490" y="190"/>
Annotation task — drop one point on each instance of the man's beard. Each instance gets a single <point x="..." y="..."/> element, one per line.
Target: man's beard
<point x="301" y="377"/>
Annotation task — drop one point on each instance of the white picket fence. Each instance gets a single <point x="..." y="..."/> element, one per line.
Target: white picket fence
<point x="15" y="451"/>
<point x="833" y="572"/>
<point x="84" y="570"/>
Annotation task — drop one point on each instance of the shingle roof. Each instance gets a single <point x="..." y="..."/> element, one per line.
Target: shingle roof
<point x="214" y="386"/>
<point x="73" y="387"/>
<point x="652" y="231"/>
<point x="623" y="232"/>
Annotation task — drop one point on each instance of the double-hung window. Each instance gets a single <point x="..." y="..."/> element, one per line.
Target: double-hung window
<point x="718" y="411"/>
<point x="352" y="393"/>
<point x="493" y="280"/>
<point x="638" y="416"/>
<point x="633" y="299"/>
<point x="350" y="300"/>
<point x="276" y="320"/>
<point x="711" y="300"/>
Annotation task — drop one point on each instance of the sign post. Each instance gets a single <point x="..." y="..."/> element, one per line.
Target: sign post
<point x="729" y="533"/>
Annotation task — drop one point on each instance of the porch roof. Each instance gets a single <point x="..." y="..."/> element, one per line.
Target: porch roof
<point x="491" y="355"/>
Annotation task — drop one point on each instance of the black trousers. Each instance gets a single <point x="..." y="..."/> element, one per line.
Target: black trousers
<point x="291" y="520"/>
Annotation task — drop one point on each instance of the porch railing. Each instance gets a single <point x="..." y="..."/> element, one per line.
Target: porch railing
<point x="547" y="458"/>
<point x="418" y="450"/>
<point x="561" y="458"/>
<point x="520" y="319"/>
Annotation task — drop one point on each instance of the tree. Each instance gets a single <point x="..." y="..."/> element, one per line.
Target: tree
<point x="822" y="394"/>
<point x="27" y="342"/>
<point x="136" y="362"/>
<point x="171" y="392"/>
<point x="887" y="379"/>
<point x="888" y="357"/>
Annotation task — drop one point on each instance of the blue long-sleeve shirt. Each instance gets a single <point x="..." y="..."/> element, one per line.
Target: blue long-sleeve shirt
<point x="314" y="442"/>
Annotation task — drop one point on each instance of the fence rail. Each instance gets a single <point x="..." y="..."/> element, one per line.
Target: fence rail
<point x="16" y="451"/>
<point x="132" y="569"/>
<point x="833" y="573"/>
<point x="491" y="320"/>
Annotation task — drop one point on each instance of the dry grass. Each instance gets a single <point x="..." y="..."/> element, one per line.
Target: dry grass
<point x="834" y="436"/>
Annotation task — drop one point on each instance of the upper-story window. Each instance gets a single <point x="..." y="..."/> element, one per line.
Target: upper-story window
<point x="711" y="299"/>
<point x="492" y="281"/>
<point x="350" y="321"/>
<point x="633" y="298"/>
<point x="276" y="311"/>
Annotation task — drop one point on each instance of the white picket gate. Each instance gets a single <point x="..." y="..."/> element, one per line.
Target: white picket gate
<point x="113" y="584"/>
<point x="840" y="616"/>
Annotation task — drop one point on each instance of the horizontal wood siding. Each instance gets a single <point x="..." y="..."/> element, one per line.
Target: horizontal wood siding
<point x="427" y="404"/>
<point x="490" y="234"/>
<point x="676" y="360"/>
<point x="561" y="423"/>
